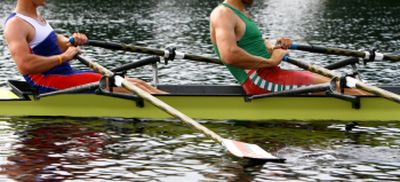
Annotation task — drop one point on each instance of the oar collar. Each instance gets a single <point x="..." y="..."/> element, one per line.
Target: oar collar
<point x="169" y="54"/>
<point x="371" y="55"/>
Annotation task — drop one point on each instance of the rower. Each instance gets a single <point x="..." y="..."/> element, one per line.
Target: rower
<point x="254" y="62"/>
<point x="42" y="56"/>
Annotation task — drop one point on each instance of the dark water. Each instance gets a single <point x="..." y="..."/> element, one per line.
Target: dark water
<point x="139" y="150"/>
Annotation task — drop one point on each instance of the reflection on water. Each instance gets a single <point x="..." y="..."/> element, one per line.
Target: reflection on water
<point x="47" y="151"/>
<point x="80" y="149"/>
<point x="140" y="150"/>
<point x="134" y="150"/>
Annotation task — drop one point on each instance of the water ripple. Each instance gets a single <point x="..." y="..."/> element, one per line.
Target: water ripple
<point x="138" y="150"/>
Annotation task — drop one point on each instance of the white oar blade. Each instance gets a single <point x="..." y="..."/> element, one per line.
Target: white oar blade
<point x="250" y="151"/>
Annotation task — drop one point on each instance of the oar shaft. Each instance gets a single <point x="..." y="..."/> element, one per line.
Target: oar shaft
<point x="170" y="110"/>
<point x="326" y="50"/>
<point x="392" y="58"/>
<point x="151" y="51"/>
<point x="343" y="63"/>
<point x="358" y="84"/>
<point x="143" y="94"/>
<point x="142" y="62"/>
<point x="202" y="59"/>
<point x="313" y="68"/>
<point x="96" y="67"/>
<point x="343" y="52"/>
<point x="125" y="47"/>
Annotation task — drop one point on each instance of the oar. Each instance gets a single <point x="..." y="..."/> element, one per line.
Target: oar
<point x="237" y="148"/>
<point x="350" y="82"/>
<point x="366" y="55"/>
<point x="343" y="63"/>
<point x="167" y="53"/>
<point x="136" y="64"/>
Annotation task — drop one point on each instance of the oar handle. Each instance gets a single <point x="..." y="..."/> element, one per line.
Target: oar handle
<point x="71" y="40"/>
<point x="366" y="55"/>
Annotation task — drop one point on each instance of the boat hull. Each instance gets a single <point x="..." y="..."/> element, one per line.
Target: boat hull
<point x="215" y="107"/>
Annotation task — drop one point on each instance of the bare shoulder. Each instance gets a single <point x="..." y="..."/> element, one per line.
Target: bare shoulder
<point x="221" y="13"/>
<point x="16" y="26"/>
<point x="14" y="22"/>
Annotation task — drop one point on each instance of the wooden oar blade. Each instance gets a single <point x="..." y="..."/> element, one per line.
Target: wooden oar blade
<point x="250" y="151"/>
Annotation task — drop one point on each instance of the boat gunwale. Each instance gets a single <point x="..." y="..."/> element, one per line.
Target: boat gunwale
<point x="202" y="91"/>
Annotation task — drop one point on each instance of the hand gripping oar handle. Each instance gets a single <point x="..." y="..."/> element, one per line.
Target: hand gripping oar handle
<point x="366" y="55"/>
<point x="350" y="82"/>
<point x="169" y="53"/>
<point x="239" y="149"/>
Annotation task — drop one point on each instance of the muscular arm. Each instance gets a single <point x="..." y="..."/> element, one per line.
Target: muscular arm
<point x="223" y="24"/>
<point x="28" y="63"/>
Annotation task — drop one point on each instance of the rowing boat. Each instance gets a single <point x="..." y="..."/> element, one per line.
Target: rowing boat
<point x="211" y="102"/>
<point x="200" y="102"/>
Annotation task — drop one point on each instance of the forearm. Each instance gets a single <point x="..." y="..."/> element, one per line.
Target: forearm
<point x="241" y="59"/>
<point x="33" y="64"/>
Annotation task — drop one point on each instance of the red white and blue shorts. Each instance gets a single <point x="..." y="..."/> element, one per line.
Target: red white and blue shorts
<point x="275" y="79"/>
<point x="52" y="82"/>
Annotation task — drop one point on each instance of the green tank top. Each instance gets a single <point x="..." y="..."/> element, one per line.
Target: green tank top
<point x="252" y="42"/>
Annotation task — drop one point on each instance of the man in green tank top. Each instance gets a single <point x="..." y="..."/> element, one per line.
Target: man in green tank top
<point x="253" y="61"/>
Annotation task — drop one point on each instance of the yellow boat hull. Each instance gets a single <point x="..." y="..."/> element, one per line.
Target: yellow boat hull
<point x="215" y="107"/>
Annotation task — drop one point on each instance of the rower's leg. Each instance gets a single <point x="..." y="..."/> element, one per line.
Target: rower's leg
<point x="142" y="85"/>
<point x="145" y="86"/>
<point x="347" y="91"/>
